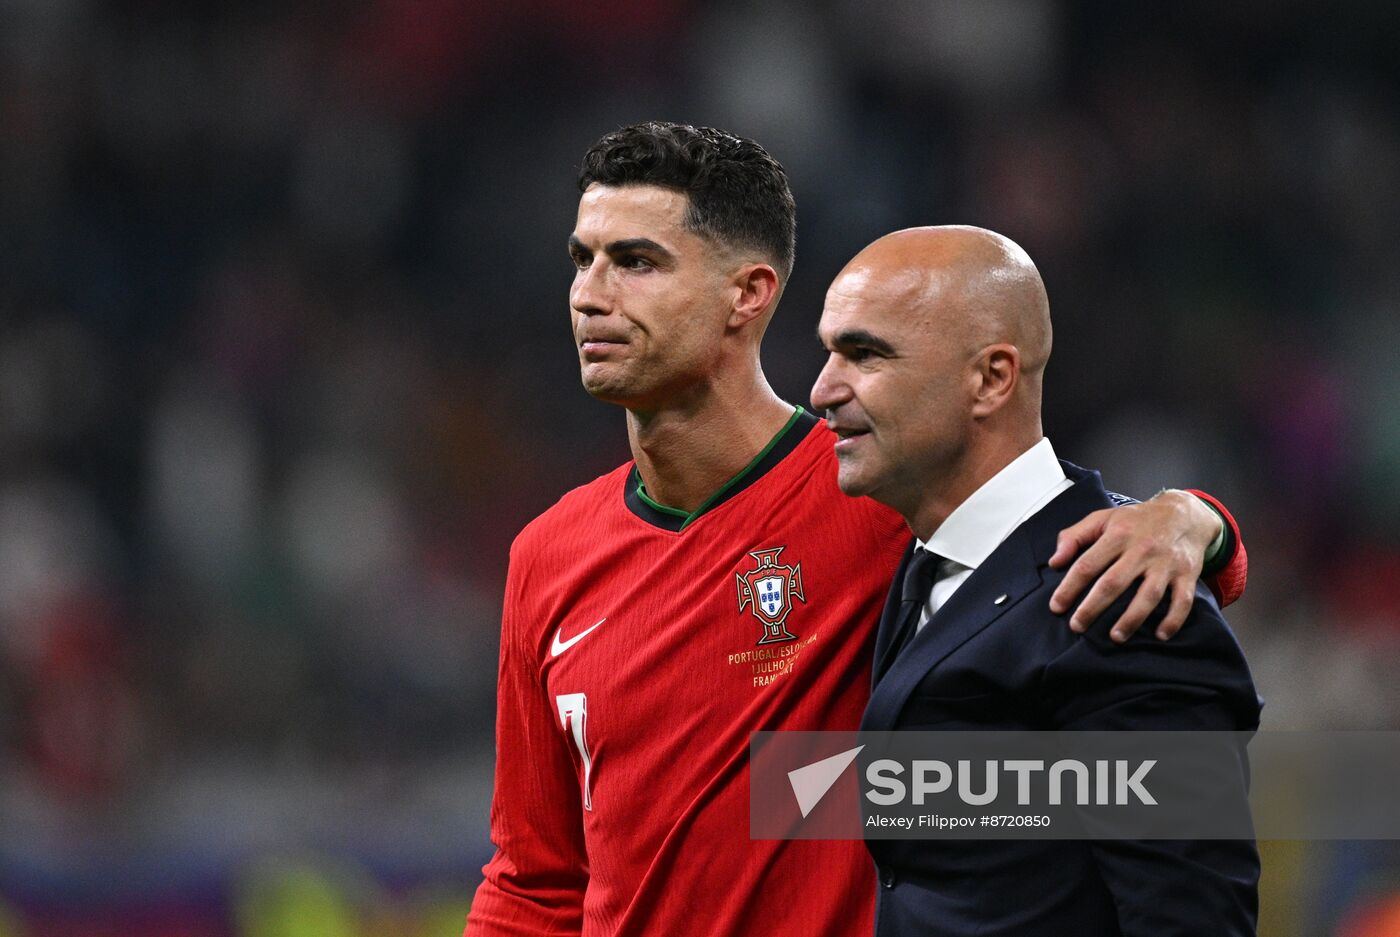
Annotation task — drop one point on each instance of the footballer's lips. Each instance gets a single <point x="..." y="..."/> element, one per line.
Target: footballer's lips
<point x="598" y="346"/>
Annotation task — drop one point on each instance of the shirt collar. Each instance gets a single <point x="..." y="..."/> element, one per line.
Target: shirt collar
<point x="989" y="515"/>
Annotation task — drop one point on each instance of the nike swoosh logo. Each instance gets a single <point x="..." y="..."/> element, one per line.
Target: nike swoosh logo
<point x="559" y="647"/>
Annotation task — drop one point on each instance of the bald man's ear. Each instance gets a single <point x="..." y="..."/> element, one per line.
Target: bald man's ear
<point x="758" y="288"/>
<point x="997" y="371"/>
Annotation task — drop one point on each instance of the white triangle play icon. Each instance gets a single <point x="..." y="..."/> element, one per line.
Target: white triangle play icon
<point x="811" y="782"/>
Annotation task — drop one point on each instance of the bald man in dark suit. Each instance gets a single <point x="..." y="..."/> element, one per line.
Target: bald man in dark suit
<point x="938" y="340"/>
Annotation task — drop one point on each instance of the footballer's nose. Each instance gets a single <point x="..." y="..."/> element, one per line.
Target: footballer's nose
<point x="588" y="296"/>
<point x="831" y="390"/>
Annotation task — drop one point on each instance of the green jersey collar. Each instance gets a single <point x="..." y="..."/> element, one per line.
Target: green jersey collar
<point x="674" y="519"/>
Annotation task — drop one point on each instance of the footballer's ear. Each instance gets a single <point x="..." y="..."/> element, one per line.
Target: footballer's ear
<point x="756" y="292"/>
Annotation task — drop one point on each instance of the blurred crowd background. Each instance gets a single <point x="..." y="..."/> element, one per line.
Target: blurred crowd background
<point x="285" y="363"/>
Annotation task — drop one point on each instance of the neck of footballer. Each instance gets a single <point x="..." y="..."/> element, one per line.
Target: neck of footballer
<point x="683" y="459"/>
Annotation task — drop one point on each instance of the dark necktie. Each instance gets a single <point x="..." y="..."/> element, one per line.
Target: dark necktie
<point x="918" y="581"/>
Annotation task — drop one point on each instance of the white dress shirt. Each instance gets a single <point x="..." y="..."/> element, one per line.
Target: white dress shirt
<point x="978" y="526"/>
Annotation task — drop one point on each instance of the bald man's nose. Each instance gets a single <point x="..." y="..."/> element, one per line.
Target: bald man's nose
<point x="830" y="390"/>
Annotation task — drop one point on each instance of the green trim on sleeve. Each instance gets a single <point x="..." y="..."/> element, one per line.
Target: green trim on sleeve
<point x="1215" y="552"/>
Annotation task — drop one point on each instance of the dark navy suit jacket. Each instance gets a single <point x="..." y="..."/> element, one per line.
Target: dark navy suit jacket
<point x="1014" y="665"/>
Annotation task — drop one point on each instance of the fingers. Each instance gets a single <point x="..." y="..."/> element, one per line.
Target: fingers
<point x="1089" y="532"/>
<point x="1151" y="590"/>
<point x="1109" y="586"/>
<point x="1148" y="596"/>
<point x="1151" y="543"/>
<point x="1183" y="596"/>
<point x="1074" y="538"/>
<point x="1091" y="564"/>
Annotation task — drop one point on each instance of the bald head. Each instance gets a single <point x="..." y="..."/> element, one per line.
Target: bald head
<point x="938" y="339"/>
<point x="969" y="284"/>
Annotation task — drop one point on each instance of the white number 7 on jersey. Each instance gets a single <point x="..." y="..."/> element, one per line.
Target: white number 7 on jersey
<point x="573" y="717"/>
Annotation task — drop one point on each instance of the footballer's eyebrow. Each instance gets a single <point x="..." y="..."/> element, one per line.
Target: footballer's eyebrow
<point x="627" y="245"/>
<point x="623" y="246"/>
<point x="860" y="338"/>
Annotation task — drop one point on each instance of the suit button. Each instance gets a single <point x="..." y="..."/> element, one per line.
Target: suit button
<point x="886" y="876"/>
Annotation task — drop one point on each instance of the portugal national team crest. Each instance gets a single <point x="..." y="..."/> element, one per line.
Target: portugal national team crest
<point x="770" y="589"/>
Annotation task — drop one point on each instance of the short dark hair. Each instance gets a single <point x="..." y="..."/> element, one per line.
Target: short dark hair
<point x="738" y="194"/>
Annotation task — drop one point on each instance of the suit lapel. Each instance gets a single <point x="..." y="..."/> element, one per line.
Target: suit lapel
<point x="1013" y="570"/>
<point x="1010" y="571"/>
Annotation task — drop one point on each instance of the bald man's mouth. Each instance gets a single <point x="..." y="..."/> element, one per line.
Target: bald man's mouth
<point x="847" y="437"/>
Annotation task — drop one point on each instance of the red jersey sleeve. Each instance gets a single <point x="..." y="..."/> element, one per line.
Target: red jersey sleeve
<point x="1228" y="584"/>
<point x="535" y="882"/>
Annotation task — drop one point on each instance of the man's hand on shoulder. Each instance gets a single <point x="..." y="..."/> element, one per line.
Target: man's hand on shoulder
<point x="1162" y="541"/>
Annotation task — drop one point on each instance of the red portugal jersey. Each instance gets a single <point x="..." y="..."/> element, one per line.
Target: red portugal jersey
<point x="640" y="647"/>
<point x="637" y="655"/>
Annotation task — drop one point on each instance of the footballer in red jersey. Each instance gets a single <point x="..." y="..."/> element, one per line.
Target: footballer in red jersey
<point x="639" y="650"/>
<point x="717" y="585"/>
